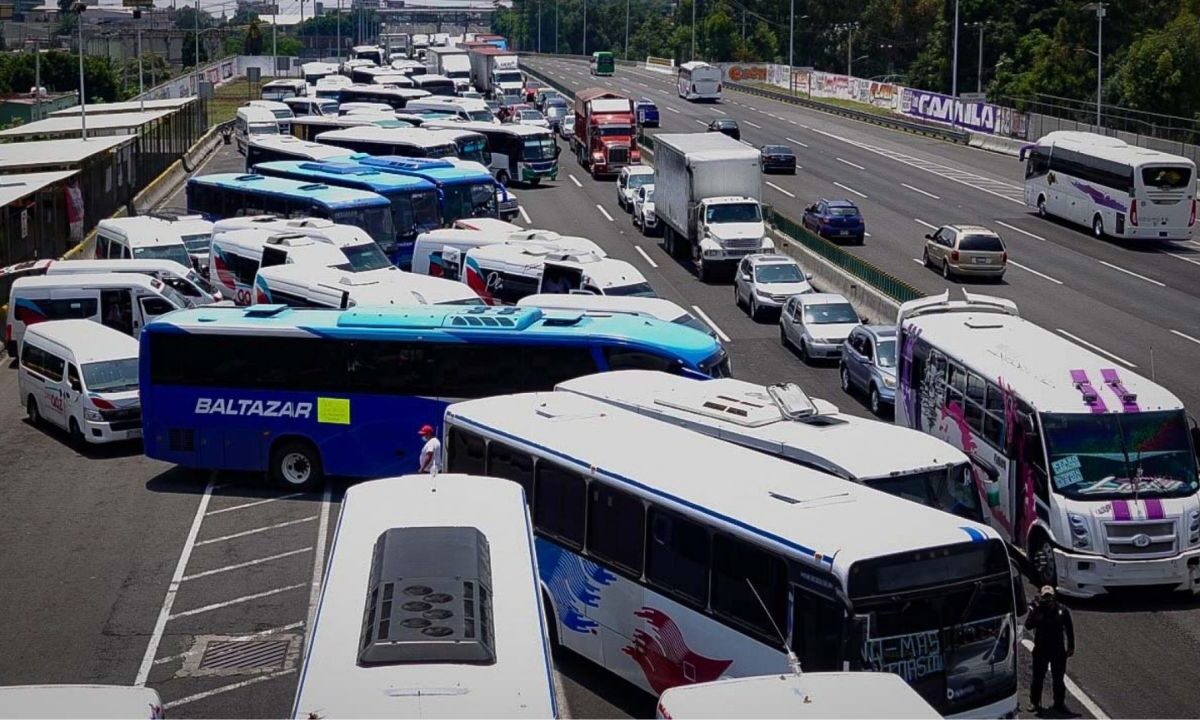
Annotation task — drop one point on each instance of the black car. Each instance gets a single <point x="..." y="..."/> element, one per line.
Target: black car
<point x="778" y="157"/>
<point x="726" y="126"/>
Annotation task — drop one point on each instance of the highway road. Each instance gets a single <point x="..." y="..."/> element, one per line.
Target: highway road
<point x="120" y="569"/>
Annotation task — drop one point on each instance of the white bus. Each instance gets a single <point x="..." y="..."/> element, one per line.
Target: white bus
<point x="465" y="108"/>
<point x="1088" y="468"/>
<point x="281" y="110"/>
<point x="396" y="97"/>
<point x="186" y="281"/>
<point x="518" y="152"/>
<point x="268" y="148"/>
<point x="439" y="252"/>
<point x="92" y="701"/>
<point x="406" y="142"/>
<point x="883" y="456"/>
<point x="505" y="273"/>
<point x="284" y="88"/>
<point x="699" y="81"/>
<point x="671" y="558"/>
<point x="430" y="606"/>
<point x="315" y="72"/>
<point x="1116" y="189"/>
<point x="437" y="85"/>
<point x="297" y="285"/>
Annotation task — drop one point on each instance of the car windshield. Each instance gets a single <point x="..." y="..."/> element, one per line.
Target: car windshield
<point x="531" y="115"/>
<point x="635" y="290"/>
<point x="178" y="253"/>
<point x="197" y="243"/>
<point x="1173" y="177"/>
<point x="981" y="243"/>
<point x="615" y="131"/>
<point x="637" y="180"/>
<point x="733" y="213"/>
<point x="110" y="376"/>
<point x="778" y="273"/>
<point x="843" y="211"/>
<point x="538" y="148"/>
<point x="1120" y="455"/>
<point x="481" y="115"/>
<point x="885" y="354"/>
<point x="364" y="257"/>
<point x="829" y="314"/>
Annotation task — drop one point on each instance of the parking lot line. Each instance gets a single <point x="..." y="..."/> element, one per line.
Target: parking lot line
<point x="255" y="531"/>
<point x="253" y="504"/>
<point x="248" y="563"/>
<point x="318" y="574"/>
<point x="226" y="688"/>
<point x="236" y="601"/>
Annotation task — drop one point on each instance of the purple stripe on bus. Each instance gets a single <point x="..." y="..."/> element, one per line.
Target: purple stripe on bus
<point x="1154" y="510"/>
<point x="1091" y="398"/>
<point x="1113" y="381"/>
<point x="1121" y="510"/>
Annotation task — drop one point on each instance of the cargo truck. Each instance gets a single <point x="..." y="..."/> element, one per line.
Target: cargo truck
<point x="452" y="63"/>
<point x="494" y="73"/>
<point x="604" y="139"/>
<point x="707" y="192"/>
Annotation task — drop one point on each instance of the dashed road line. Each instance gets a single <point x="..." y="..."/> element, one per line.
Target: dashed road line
<point x="753" y="125"/>
<point x="847" y="188"/>
<point x="1118" y="268"/>
<point x="647" y="258"/>
<point x="851" y="164"/>
<point x="1185" y="259"/>
<point x="720" y="112"/>
<point x="237" y="601"/>
<point x="577" y="183"/>
<point x="1097" y="348"/>
<point x="1185" y="336"/>
<point x="785" y="192"/>
<point x="248" y="563"/>
<point x="255" y="531"/>
<point x="701" y="122"/>
<point x="919" y="190"/>
<point x="1043" y="276"/>
<point x="919" y="221"/>
<point x="794" y="140"/>
<point x="1014" y="228"/>
<point x="671" y="109"/>
<point x="709" y="322"/>
<point x="256" y="503"/>
<point x="604" y="212"/>
<point x="1087" y="702"/>
<point x="525" y="215"/>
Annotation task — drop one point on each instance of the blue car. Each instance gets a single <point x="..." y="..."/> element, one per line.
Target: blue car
<point x="836" y="219"/>
<point x="868" y="364"/>
<point x="647" y="112"/>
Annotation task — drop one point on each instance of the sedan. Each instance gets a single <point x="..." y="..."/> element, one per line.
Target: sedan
<point x="529" y="116"/>
<point x="869" y="364"/>
<point x="643" y="215"/>
<point x="726" y="126"/>
<point x="835" y="219"/>
<point x="778" y="158"/>
<point x="508" y="112"/>
<point x="817" y="324"/>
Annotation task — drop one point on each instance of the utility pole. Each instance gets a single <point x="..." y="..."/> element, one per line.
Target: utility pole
<point x="954" y="71"/>
<point x="791" y="44"/>
<point x="37" y="79"/>
<point x="137" y="19"/>
<point x="585" y="28"/>
<point x="850" y="51"/>
<point x="1100" y="13"/>
<point x="79" y="7"/>
<point x="196" y="31"/>
<point x="627" y="29"/>
<point x="979" y="69"/>
<point x="694" y="28"/>
<point x="555" y="27"/>
<point x="539" y="6"/>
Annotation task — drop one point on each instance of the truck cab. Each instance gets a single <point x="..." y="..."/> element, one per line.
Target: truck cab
<point x="730" y="223"/>
<point x="605" y="139"/>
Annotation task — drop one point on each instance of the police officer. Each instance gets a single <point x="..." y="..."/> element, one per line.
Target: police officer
<point x="1053" y="643"/>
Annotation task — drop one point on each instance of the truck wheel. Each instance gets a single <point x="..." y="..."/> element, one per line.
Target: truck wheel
<point x="704" y="272"/>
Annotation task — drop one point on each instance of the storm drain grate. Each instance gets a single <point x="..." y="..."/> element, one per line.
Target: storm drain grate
<point x="245" y="654"/>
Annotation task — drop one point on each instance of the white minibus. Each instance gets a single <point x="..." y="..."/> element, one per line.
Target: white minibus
<point x="186" y="281"/>
<point x="435" y="84"/>
<point x="282" y="112"/>
<point x="694" y="559"/>
<point x="362" y="253"/>
<point x="523" y="153"/>
<point x="464" y="108"/>
<point x="317" y="72"/>
<point x="430" y="606"/>
<point x="298" y="285"/>
<point x="122" y="301"/>
<point x="286" y="147"/>
<point x="1087" y="467"/>
<point x="282" y="89"/>
<point x="883" y="456"/>
<point x="440" y="252"/>
<point x="507" y="272"/>
<point x="146" y="238"/>
<point x="699" y="81"/>
<point x="81" y="377"/>
<point x="251" y="121"/>
<point x="312" y="106"/>
<point x="656" y="308"/>
<point x="1116" y="189"/>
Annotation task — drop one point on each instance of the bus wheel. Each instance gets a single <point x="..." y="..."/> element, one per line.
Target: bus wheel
<point x="535" y="181"/>
<point x="1042" y="556"/>
<point x="1042" y="206"/>
<point x="1098" y="226"/>
<point x="297" y="466"/>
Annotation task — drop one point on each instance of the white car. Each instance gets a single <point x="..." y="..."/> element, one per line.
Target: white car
<point x="631" y="178"/>
<point x="531" y="117"/>
<point x="764" y="282"/>
<point x="817" y="324"/>
<point x="643" y="215"/>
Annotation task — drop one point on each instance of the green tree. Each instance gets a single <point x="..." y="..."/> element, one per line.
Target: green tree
<point x="1158" y="71"/>
<point x="1048" y="65"/>
<point x="60" y="73"/>
<point x="253" y="43"/>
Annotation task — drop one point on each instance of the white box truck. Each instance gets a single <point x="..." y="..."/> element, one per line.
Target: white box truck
<point x="707" y="191"/>
<point x="450" y="62"/>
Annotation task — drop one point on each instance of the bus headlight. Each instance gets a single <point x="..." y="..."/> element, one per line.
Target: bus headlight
<point x="1194" y="527"/>
<point x="1080" y="535"/>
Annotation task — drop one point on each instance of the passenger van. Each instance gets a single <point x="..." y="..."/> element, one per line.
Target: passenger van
<point x="462" y="108"/>
<point x="83" y="378"/>
<point x="282" y="112"/>
<point x="251" y="120"/>
<point x="439" y="252"/>
<point x="186" y="281"/>
<point x="656" y="308"/>
<point x="308" y="286"/>
<point x="143" y="238"/>
<point x="122" y="301"/>
<point x="507" y="272"/>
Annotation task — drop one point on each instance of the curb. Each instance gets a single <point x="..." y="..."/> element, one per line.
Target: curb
<point x="868" y="302"/>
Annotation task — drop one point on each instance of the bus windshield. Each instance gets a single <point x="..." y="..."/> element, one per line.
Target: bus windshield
<point x="111" y="376"/>
<point x="197" y="243"/>
<point x="178" y="253"/>
<point x="376" y="221"/>
<point x="950" y="490"/>
<point x="474" y="149"/>
<point x="469" y="200"/>
<point x="1172" y="177"/>
<point x="1120" y="455"/>
<point x="635" y="290"/>
<point x="538" y="148"/>
<point x="415" y="213"/>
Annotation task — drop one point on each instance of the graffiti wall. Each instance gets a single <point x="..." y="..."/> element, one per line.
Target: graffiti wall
<point x="976" y="116"/>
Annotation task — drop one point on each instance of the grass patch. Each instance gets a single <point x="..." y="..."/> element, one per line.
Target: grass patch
<point x="838" y="102"/>
<point x="229" y="97"/>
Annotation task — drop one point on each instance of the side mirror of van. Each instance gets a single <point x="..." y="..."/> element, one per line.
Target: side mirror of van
<point x="928" y="236"/>
<point x="1196" y="441"/>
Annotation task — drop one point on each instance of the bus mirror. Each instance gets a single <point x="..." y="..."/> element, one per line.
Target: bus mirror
<point x="557" y="150"/>
<point x="1196" y="441"/>
<point x="1020" y="603"/>
<point x="1028" y="426"/>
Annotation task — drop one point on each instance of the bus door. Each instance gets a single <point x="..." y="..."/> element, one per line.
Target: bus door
<point x="560" y="279"/>
<point x="818" y="622"/>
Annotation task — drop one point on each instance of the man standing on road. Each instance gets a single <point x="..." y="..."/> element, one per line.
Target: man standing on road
<point x="1053" y="643"/>
<point x="431" y="453"/>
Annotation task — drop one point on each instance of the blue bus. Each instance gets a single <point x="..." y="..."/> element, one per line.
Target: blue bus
<point x="303" y="393"/>
<point x="226" y="195"/>
<point x="414" y="201"/>
<point x="465" y="190"/>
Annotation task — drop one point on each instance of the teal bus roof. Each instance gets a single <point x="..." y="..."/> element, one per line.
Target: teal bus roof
<point x="440" y="172"/>
<point x="345" y="174"/>
<point x="320" y="193"/>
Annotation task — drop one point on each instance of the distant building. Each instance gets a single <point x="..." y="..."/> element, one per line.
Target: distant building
<point x="25" y="108"/>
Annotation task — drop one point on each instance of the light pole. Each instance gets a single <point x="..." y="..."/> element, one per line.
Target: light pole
<point x="954" y="71"/>
<point x="792" y="43"/>
<point x="196" y="32"/>
<point x="694" y="29"/>
<point x="1099" y="7"/>
<point x="555" y="27"/>
<point x="339" y="32"/>
<point x="78" y="8"/>
<point x="979" y="72"/>
<point x="137" y="18"/>
<point x="539" y="5"/>
<point x="626" y="30"/>
<point x="585" y="28"/>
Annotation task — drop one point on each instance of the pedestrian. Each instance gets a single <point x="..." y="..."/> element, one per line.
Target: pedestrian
<point x="431" y="453"/>
<point x="1053" y="643"/>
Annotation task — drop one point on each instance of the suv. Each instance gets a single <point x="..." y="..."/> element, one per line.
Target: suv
<point x="835" y="219"/>
<point x="726" y="126"/>
<point x="869" y="364"/>
<point x="765" y="282"/>
<point x="817" y="324"/>
<point x="965" y="250"/>
<point x="631" y="178"/>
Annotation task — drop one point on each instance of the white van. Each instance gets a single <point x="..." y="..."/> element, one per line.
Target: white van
<point x="361" y="251"/>
<point x="312" y="106"/>
<point x="282" y="112"/>
<point x="463" y="108"/>
<point x="122" y="301"/>
<point x="145" y="238"/>
<point x="81" y="377"/>
<point x="507" y="272"/>
<point x="656" y="308"/>
<point x="101" y="702"/>
<point x="308" y="286"/>
<point x="253" y="120"/>
<point x="184" y="280"/>
<point x="439" y="252"/>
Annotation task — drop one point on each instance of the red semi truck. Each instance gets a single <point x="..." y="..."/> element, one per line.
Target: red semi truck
<point x="604" y="140"/>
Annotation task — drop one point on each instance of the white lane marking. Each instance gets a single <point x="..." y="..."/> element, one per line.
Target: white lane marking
<point x="753" y="125"/>
<point x="721" y="112"/>
<point x="318" y="575"/>
<point x="847" y="162"/>
<point x="664" y="92"/>
<point x="251" y="636"/>
<point x="919" y="221"/>
<point x="248" y="563"/>
<point x="1185" y="336"/>
<point x="237" y="600"/>
<point x="164" y="612"/>
<point x="577" y="183"/>
<point x="226" y="688"/>
<point x="785" y="192"/>
<point x="793" y="122"/>
<point x="794" y="140"/>
<point x="1185" y="259"/>
<point x="604" y="212"/>
<point x="525" y="215"/>
<point x="1014" y="228"/>
<point x="1118" y="268"/>
<point x="709" y="322"/>
<point x="1035" y="272"/>
<point x="701" y="122"/>
<point x="1097" y="348"/>
<point x="866" y="234"/>
<point x="671" y="109"/>
<point x="918" y="261"/>
<point x="645" y="257"/>
<point x="1087" y="702"/>
<point x="919" y="190"/>
<point x="255" y="531"/>
<point x="252" y="504"/>
<point x="751" y="107"/>
<point x="642" y="84"/>
<point x="847" y="188"/>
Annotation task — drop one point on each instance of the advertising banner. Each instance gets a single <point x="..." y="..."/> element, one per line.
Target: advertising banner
<point x="975" y="116"/>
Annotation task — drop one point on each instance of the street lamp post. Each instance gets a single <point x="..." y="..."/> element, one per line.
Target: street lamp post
<point x="954" y="70"/>
<point x="79" y="7"/>
<point x="694" y="29"/>
<point x="626" y="30"/>
<point x="979" y="70"/>
<point x="539" y="6"/>
<point x="196" y="33"/>
<point x="1099" y="7"/>
<point x="555" y="27"/>
<point x="137" y="16"/>
<point x="585" y="28"/>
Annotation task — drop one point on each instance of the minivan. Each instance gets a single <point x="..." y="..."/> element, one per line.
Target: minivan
<point x="253" y="120"/>
<point x="83" y="378"/>
<point x="186" y="281"/>
<point x="143" y="238"/>
<point x="122" y="301"/>
<point x="282" y="112"/>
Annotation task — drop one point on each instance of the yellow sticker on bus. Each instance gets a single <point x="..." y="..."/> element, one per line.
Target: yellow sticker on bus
<point x="335" y="411"/>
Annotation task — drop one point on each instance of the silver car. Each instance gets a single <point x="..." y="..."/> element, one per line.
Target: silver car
<point x="631" y="178"/>
<point x="764" y="282"/>
<point x="869" y="364"/>
<point x="817" y="324"/>
<point x="643" y="215"/>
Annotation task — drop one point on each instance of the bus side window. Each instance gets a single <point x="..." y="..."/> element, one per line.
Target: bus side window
<point x="677" y="552"/>
<point x="101" y="246"/>
<point x="1038" y="164"/>
<point x="737" y="565"/>
<point x="464" y="452"/>
<point x="560" y="503"/>
<point x="511" y="464"/>
<point x="616" y="523"/>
